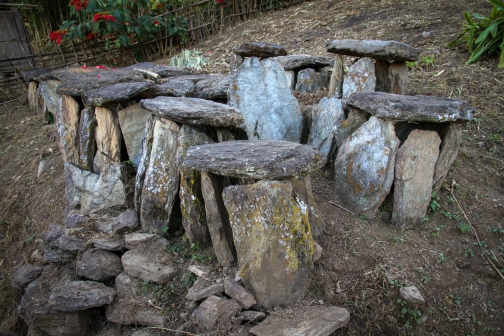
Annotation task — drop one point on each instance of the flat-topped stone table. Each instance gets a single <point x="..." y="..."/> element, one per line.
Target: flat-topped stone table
<point x="270" y="221"/>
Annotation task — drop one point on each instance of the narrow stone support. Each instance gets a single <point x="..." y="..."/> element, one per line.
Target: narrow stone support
<point x="108" y="137"/>
<point x="449" y="149"/>
<point x="67" y="124"/>
<point x="392" y="77"/>
<point x="235" y="61"/>
<point x="336" y="83"/>
<point x="132" y="122"/>
<point x="87" y="138"/>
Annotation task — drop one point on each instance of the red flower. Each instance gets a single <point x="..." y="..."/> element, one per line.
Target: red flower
<point x="91" y="36"/>
<point x="104" y="16"/>
<point x="156" y="23"/>
<point x="79" y="4"/>
<point x="220" y="1"/>
<point x="57" y="35"/>
<point x="100" y="67"/>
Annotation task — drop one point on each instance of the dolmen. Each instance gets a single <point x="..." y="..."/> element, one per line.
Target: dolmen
<point x="268" y="219"/>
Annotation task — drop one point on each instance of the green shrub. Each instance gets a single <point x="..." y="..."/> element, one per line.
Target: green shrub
<point x="484" y="35"/>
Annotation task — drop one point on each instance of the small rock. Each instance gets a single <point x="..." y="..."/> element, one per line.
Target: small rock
<point x="80" y="295"/>
<point x="426" y="34"/>
<point x="201" y="271"/>
<point x="214" y="311"/>
<point x="240" y="294"/>
<point x="151" y="240"/>
<point x="252" y="315"/>
<point x="109" y="244"/>
<point x="237" y="320"/>
<point x="99" y="265"/>
<point x="310" y="80"/>
<point x="318" y="251"/>
<point x="53" y="233"/>
<point x="412" y="295"/>
<point x="149" y="265"/>
<point x="23" y="274"/>
<point x="203" y="289"/>
<point x="75" y="220"/>
<point x="127" y="221"/>
<point x="71" y="243"/>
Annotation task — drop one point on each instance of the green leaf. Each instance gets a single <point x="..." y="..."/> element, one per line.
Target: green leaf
<point x="497" y="4"/>
<point x="468" y="18"/>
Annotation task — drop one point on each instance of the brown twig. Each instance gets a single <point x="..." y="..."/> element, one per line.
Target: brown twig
<point x="472" y="227"/>
<point x="176" y="331"/>
<point x="339" y="206"/>
<point x="15" y="198"/>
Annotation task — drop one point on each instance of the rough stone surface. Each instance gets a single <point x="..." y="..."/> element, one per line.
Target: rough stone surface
<point x="192" y="204"/>
<point x="271" y="231"/>
<point x="109" y="244"/>
<point x="235" y="61"/>
<point x="310" y="80"/>
<point x="260" y="49"/>
<point x="360" y="77"/>
<point x="214" y="311"/>
<point x="23" y="274"/>
<point x="298" y="62"/>
<point x="114" y="93"/>
<point x="32" y="75"/>
<point x="32" y="96"/>
<point x="252" y="315"/>
<point x="143" y="165"/>
<point x="318" y="252"/>
<point x="412" y="108"/>
<point x="95" y="191"/>
<point x="235" y="291"/>
<point x="392" y="77"/>
<point x="98" y="265"/>
<point x="303" y="190"/>
<point x="335" y="85"/>
<point x="176" y="87"/>
<point x="47" y="90"/>
<point x="126" y="222"/>
<point x="447" y="155"/>
<point x="262" y="94"/>
<point x="161" y="183"/>
<point x="165" y="71"/>
<point x="387" y="50"/>
<point x="346" y="127"/>
<point x="291" y="79"/>
<point x="364" y="167"/>
<point x="132" y="121"/>
<point x="108" y="137"/>
<point x="87" y="138"/>
<point x="67" y="125"/>
<point x="255" y="159"/>
<point x="71" y="243"/>
<point x="217" y="218"/>
<point x="325" y="117"/>
<point x="414" y="170"/>
<point x="307" y="321"/>
<point x="213" y="88"/>
<point x="412" y="295"/>
<point x="194" y="111"/>
<point x="80" y="295"/>
<point x="202" y="289"/>
<point x="149" y="265"/>
<point x="138" y="240"/>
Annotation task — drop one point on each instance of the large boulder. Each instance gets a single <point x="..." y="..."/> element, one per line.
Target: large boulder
<point x="271" y="231"/>
<point x="364" y="167"/>
<point x="261" y="93"/>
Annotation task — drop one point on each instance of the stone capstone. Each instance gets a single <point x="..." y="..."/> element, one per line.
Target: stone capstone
<point x="364" y="166"/>
<point x="114" y="93"/>
<point x="214" y="311"/>
<point x="269" y="159"/>
<point x="80" y="295"/>
<point x="412" y="108"/>
<point x="360" y="77"/>
<point x="386" y="50"/>
<point x="262" y="95"/>
<point x="325" y="117"/>
<point x="298" y="62"/>
<point x="271" y="231"/>
<point x="98" y="265"/>
<point x="260" y="49"/>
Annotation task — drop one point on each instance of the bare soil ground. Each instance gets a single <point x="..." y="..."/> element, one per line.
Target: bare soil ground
<point x="365" y="262"/>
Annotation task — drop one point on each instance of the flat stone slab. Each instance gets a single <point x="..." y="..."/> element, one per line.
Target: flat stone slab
<point x="301" y="61"/>
<point x="387" y="50"/>
<point x="114" y="93"/>
<point x="80" y="295"/>
<point x="412" y="108"/>
<point x="268" y="159"/>
<point x="260" y="49"/>
<point x="194" y="111"/>
<point x="306" y="321"/>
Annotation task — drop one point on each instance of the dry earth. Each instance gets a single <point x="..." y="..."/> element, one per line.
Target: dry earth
<point x="365" y="262"/>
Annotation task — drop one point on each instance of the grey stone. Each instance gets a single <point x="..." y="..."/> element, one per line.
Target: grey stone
<point x="335" y="85"/>
<point x="260" y="49"/>
<point x="364" y="167"/>
<point x="47" y="90"/>
<point x="87" y="138"/>
<point x="325" y="117"/>
<point x="346" y="127"/>
<point x="269" y="159"/>
<point x="67" y="126"/>
<point x="71" y="243"/>
<point x="201" y="271"/>
<point x="108" y="137"/>
<point x="310" y="80"/>
<point x="303" y="191"/>
<point x="252" y="315"/>
<point x="194" y="111"/>
<point x="143" y="165"/>
<point x="114" y="93"/>
<point x="23" y="274"/>
<point x="217" y="218"/>
<point x="447" y="155"/>
<point x="271" y="231"/>
<point x="149" y="265"/>
<point x="414" y="170"/>
<point x="224" y="134"/>
<point x="53" y="233"/>
<point x="412" y="295"/>
<point x="202" y="289"/>
<point x="109" y="244"/>
<point x="360" y="77"/>
<point x="262" y="95"/>
<point x="387" y="50"/>
<point x="95" y="191"/>
<point x="235" y="291"/>
<point x="309" y="321"/>
<point x="58" y="257"/>
<point x="176" y="87"/>
<point x="80" y="295"/>
<point x="235" y="61"/>
<point x="213" y="87"/>
<point x="131" y="311"/>
<point x="161" y="182"/>
<point x="132" y="121"/>
<point x="145" y="240"/>
<point x="98" y="265"/>
<point x="392" y="77"/>
<point x="34" y="100"/>
<point x="298" y="62"/>
<point x="412" y="108"/>
<point x="33" y="74"/>
<point x="214" y="311"/>
<point x="192" y="204"/>
<point x="168" y="71"/>
<point x="291" y="79"/>
<point x="126" y="222"/>
<point x="317" y="254"/>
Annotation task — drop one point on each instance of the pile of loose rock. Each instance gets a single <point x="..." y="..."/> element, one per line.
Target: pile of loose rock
<point x="177" y="147"/>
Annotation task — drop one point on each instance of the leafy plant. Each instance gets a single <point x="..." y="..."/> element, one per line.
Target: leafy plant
<point x="434" y="204"/>
<point x="441" y="258"/>
<point x="464" y="228"/>
<point x="498" y="229"/>
<point x="409" y="313"/>
<point x="190" y="59"/>
<point x="484" y="34"/>
<point x="469" y="253"/>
